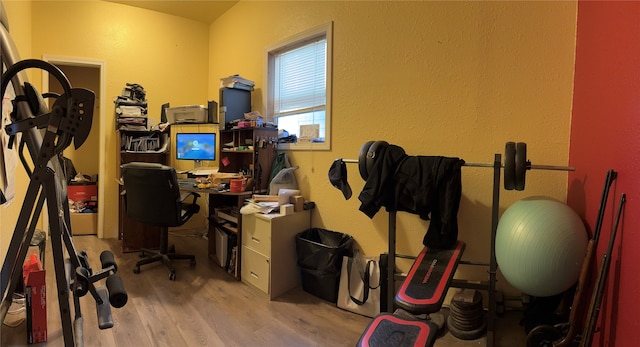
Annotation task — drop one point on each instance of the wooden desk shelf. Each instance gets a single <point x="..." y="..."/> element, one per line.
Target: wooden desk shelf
<point x="235" y="155"/>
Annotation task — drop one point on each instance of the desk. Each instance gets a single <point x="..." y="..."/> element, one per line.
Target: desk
<point x="216" y="200"/>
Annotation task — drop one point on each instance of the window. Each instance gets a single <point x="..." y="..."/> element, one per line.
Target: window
<point x="299" y="87"/>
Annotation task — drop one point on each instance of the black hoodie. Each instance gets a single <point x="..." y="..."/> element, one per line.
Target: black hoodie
<point x="429" y="186"/>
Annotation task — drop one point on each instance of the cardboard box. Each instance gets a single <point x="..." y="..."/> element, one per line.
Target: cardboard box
<point x="84" y="223"/>
<point x="83" y="197"/>
<point x="83" y="192"/>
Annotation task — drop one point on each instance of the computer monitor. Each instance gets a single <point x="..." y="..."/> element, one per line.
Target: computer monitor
<point x="197" y="147"/>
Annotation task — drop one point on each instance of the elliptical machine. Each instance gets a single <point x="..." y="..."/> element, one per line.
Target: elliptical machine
<point x="46" y="134"/>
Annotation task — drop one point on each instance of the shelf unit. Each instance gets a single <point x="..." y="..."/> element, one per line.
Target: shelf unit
<point x="229" y="222"/>
<point x="250" y="151"/>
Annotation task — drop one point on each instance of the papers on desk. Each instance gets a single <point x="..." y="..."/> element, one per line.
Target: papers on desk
<point x="204" y="171"/>
<point x="265" y="207"/>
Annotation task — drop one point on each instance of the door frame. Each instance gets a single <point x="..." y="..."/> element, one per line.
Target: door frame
<point x="102" y="66"/>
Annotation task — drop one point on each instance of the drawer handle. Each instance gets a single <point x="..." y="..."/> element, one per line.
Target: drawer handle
<point x="255" y="239"/>
<point x="254" y="274"/>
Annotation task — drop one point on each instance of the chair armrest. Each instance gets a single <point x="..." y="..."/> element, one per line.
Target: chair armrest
<point x="184" y="196"/>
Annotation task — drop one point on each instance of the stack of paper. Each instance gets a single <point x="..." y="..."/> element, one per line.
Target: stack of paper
<point x="237" y="82"/>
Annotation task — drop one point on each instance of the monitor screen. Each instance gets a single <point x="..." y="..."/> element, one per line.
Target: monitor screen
<point x="196" y="146"/>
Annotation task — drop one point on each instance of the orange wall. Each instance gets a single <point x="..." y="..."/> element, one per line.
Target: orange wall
<point x="605" y="134"/>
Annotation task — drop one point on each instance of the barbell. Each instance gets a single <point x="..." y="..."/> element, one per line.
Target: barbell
<point x="515" y="164"/>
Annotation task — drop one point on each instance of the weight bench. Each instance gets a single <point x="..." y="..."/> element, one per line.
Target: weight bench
<point x="422" y="292"/>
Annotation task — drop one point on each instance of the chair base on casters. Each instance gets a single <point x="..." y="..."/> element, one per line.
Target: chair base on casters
<point x="164" y="257"/>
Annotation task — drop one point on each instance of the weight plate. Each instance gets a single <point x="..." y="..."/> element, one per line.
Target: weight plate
<point x="373" y="153"/>
<point x="466" y="335"/>
<point x="520" y="165"/>
<point x="543" y="336"/>
<point x="362" y="160"/>
<point x="466" y="316"/>
<point x="465" y="310"/>
<point x="509" y="165"/>
<point x="467" y="298"/>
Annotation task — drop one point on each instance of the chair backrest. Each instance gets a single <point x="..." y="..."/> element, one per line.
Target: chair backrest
<point x="152" y="194"/>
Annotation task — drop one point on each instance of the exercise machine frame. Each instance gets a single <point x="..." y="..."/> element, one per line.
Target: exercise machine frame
<point x="69" y="121"/>
<point x="490" y="285"/>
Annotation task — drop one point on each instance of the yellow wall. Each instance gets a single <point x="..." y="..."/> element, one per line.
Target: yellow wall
<point x="20" y="30"/>
<point x="167" y="55"/>
<point x="436" y="78"/>
<point x="163" y="53"/>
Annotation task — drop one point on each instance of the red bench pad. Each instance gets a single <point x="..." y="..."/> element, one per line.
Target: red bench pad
<point x="426" y="285"/>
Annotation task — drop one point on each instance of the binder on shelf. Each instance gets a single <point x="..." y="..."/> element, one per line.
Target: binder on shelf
<point x="226" y="246"/>
<point x="142" y="141"/>
<point x="222" y="244"/>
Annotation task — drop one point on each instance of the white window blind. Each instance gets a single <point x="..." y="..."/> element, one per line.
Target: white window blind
<point x="300" y="79"/>
<point x="299" y="88"/>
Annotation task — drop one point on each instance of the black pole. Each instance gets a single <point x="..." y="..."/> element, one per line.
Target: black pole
<point x="596" y="298"/>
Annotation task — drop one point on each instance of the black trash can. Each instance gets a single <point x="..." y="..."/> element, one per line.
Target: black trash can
<point x="320" y="253"/>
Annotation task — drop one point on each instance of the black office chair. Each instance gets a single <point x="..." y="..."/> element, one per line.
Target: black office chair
<point x="152" y="196"/>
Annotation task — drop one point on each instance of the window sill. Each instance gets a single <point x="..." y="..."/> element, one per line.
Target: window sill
<point x="308" y="146"/>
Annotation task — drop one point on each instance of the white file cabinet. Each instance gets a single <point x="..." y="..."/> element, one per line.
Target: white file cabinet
<point x="269" y="258"/>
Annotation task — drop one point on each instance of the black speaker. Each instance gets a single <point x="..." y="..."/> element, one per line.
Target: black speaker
<point x="163" y="113"/>
<point x="212" y="110"/>
<point x="234" y="103"/>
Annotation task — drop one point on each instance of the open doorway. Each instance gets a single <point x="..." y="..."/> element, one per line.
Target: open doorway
<point x="89" y="159"/>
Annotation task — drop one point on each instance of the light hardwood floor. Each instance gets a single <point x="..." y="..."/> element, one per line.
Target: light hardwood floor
<point x="207" y="307"/>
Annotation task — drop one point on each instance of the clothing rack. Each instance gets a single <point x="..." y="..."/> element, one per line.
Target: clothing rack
<point x="490" y="285"/>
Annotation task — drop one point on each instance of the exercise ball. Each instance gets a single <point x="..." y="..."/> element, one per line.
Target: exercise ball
<point x="540" y="246"/>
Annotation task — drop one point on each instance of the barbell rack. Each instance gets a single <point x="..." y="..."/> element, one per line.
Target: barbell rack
<point x="490" y="285"/>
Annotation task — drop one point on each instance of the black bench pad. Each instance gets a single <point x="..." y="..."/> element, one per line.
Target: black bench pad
<point x="391" y="330"/>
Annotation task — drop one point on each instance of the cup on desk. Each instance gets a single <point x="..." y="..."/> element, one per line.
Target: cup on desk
<point x="236" y="185"/>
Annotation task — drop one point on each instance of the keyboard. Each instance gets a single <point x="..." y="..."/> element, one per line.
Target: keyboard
<point x="187" y="182"/>
<point x="203" y="171"/>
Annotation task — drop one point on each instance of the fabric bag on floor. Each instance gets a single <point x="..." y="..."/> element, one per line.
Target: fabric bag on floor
<point x="359" y="288"/>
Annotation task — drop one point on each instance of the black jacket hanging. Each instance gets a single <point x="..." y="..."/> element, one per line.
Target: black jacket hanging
<point x="429" y="186"/>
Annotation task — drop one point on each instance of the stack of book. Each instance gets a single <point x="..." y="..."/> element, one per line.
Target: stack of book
<point x="131" y="109"/>
<point x="237" y="82"/>
<point x="131" y="118"/>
